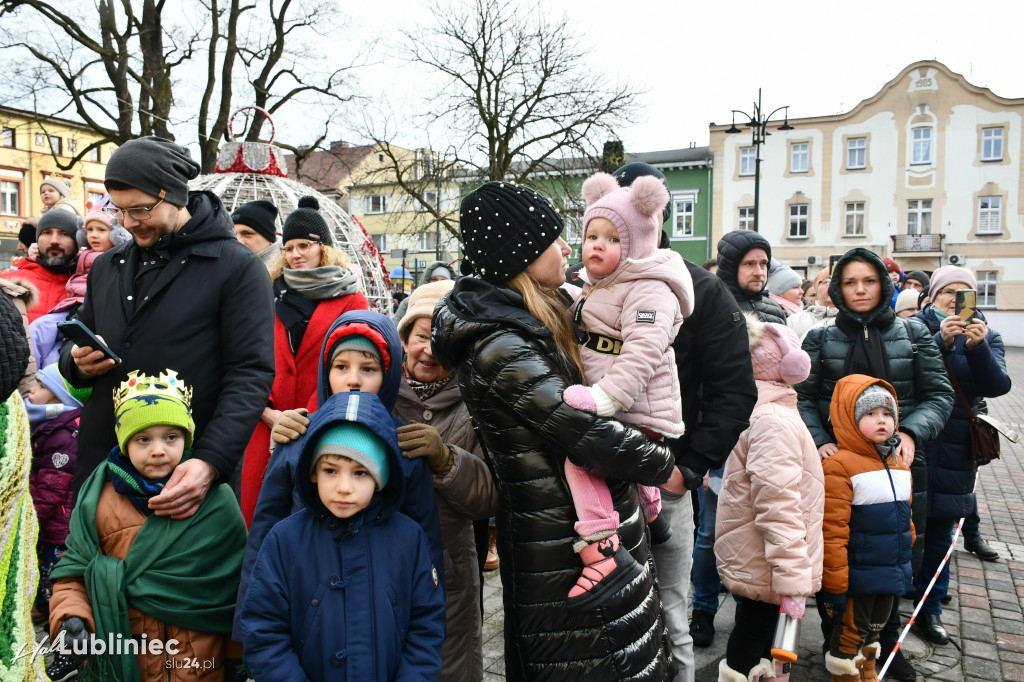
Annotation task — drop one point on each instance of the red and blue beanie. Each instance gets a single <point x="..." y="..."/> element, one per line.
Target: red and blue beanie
<point x="357" y="336"/>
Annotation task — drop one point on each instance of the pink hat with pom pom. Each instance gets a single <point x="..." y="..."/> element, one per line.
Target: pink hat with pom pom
<point x="776" y="353"/>
<point x="636" y="211"/>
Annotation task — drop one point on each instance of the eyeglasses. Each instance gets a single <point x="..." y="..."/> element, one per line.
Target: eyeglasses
<point x="139" y="214"/>
<point x="946" y="292"/>
<point x="301" y="248"/>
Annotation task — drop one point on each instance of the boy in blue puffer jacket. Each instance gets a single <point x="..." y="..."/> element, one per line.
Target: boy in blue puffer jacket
<point x="346" y="588"/>
<point x="361" y="350"/>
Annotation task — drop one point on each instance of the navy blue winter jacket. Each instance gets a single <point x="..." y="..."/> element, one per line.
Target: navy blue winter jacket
<point x="981" y="373"/>
<point x="280" y="497"/>
<point x="345" y="599"/>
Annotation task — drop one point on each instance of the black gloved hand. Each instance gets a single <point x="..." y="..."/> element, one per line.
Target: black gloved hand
<point x="691" y="478"/>
<point x="74" y="630"/>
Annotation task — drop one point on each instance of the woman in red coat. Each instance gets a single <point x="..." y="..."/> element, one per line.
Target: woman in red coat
<point x="312" y="287"/>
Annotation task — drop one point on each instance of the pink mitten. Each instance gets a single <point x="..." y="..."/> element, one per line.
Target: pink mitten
<point x="580" y="397"/>
<point x="793" y="606"/>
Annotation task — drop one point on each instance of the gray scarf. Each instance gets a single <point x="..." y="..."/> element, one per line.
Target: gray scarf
<point x="318" y="284"/>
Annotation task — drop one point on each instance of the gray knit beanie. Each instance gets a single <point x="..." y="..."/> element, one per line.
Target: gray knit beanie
<point x="155" y="166"/>
<point x="872" y="397"/>
<point x="58" y="184"/>
<point x="61" y="220"/>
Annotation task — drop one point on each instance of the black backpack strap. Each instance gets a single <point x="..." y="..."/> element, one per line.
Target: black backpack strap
<point x="910" y="335"/>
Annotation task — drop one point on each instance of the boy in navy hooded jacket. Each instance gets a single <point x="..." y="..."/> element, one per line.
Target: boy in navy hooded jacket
<point x="365" y="339"/>
<point x="345" y="588"/>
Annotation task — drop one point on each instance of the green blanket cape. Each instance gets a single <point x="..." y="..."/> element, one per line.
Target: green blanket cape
<point x="183" y="572"/>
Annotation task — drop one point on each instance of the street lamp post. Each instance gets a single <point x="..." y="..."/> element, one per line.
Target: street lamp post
<point x="758" y="124"/>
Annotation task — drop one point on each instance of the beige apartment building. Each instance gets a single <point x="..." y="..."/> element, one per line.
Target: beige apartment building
<point x="30" y="147"/>
<point x="927" y="171"/>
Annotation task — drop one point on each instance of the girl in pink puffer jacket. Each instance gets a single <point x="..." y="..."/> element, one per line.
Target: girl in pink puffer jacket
<point x="768" y="542"/>
<point x="634" y="299"/>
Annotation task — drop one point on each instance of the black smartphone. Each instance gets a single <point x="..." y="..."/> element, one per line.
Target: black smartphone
<point x="966" y="304"/>
<point x="83" y="336"/>
<point x="832" y="260"/>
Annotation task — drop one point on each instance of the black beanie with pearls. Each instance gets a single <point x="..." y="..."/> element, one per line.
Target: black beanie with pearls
<point x="505" y="227"/>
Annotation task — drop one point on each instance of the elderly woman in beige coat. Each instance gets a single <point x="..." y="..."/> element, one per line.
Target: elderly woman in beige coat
<point x="769" y="544"/>
<point x="440" y="429"/>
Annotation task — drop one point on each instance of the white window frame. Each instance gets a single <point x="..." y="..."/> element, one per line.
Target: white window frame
<point x="800" y="153"/>
<point x="988" y="283"/>
<point x="919" y="216"/>
<point x="748" y="161"/>
<point x="745" y="218"/>
<point x="798" y="217"/>
<point x="381" y="240"/>
<point x="921" y="149"/>
<point x="10" y="197"/>
<point x="992" y="144"/>
<point x="72" y="145"/>
<point x="421" y="241"/>
<point x="856" y="153"/>
<point x="855" y="211"/>
<point x="381" y="199"/>
<point x="681" y="213"/>
<point x="990" y="215"/>
<point x="9" y="138"/>
<point x="56" y="145"/>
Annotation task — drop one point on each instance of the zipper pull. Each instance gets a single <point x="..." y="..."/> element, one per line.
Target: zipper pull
<point x="865" y="331"/>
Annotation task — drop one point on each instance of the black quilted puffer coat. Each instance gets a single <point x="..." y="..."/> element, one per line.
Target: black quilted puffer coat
<point x="512" y="383"/>
<point x="732" y="247"/>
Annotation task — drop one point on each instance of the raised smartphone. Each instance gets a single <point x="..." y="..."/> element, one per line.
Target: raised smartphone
<point x="83" y="336"/>
<point x="966" y="304"/>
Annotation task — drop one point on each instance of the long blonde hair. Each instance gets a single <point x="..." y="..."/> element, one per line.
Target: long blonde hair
<point x="546" y="306"/>
<point x="328" y="256"/>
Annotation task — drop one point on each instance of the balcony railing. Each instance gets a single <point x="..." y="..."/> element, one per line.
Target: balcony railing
<point x="916" y="243"/>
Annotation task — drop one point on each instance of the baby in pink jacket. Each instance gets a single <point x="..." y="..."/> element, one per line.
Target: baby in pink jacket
<point x="634" y="299"/>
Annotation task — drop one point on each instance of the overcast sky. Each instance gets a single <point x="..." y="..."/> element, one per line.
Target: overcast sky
<point x="699" y="60"/>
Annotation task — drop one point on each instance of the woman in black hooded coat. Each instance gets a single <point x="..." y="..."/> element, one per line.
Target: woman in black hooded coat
<point x="508" y="334"/>
<point x="868" y="338"/>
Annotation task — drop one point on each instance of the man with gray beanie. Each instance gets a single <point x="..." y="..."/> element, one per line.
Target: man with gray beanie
<point x="183" y="294"/>
<point x="51" y="269"/>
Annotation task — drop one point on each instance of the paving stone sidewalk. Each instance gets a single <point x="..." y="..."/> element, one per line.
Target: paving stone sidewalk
<point x="985" y="619"/>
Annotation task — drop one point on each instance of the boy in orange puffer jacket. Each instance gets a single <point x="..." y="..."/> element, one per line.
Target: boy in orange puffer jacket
<point x="867" y="529"/>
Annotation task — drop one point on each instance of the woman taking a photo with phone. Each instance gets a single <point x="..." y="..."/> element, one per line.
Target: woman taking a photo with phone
<point x="973" y="357"/>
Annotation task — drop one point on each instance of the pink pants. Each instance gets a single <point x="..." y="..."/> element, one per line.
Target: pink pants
<point x="593" y="502"/>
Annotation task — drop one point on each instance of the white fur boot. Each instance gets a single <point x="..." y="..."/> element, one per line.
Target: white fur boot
<point x="764" y="670"/>
<point x="844" y="669"/>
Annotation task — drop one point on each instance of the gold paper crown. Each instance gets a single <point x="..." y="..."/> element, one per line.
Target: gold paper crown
<point x="139" y="385"/>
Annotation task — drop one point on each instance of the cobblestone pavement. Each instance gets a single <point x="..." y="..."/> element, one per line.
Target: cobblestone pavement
<point x="985" y="619"/>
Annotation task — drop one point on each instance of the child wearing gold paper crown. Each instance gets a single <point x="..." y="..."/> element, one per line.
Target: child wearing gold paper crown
<point x="168" y="583"/>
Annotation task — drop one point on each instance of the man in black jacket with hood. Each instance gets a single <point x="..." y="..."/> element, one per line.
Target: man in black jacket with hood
<point x="716" y="383"/>
<point x="184" y="294"/>
<point x="743" y="258"/>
